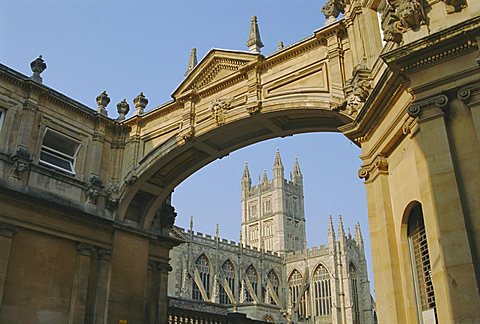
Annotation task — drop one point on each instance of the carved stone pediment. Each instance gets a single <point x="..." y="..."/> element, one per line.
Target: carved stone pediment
<point x="217" y="65"/>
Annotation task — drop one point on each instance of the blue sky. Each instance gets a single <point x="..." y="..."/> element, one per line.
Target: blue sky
<point x="125" y="47"/>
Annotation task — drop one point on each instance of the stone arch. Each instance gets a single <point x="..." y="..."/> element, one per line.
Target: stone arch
<point x="175" y="160"/>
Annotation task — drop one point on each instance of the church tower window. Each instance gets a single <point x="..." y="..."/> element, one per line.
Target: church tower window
<point x="228" y="272"/>
<point x="273" y="279"/>
<point x="322" y="291"/>
<point x="420" y="260"/>
<point x="268" y="235"/>
<point x="295" y="287"/>
<point x="352" y="270"/>
<point x="253" y="278"/>
<point x="203" y="268"/>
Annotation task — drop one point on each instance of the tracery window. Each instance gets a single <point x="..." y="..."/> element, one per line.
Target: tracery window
<point x="267" y="206"/>
<point x="253" y="277"/>
<point x="253" y="210"/>
<point x="295" y="289"/>
<point x="253" y="235"/>
<point x="322" y="291"/>
<point x="420" y="259"/>
<point x="352" y="270"/>
<point x="203" y="268"/>
<point x="273" y="279"/>
<point x="228" y="272"/>
<point x="268" y="235"/>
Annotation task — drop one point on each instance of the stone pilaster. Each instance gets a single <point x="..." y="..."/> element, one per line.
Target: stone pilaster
<point x="78" y="300"/>
<point x="6" y="236"/>
<point x="384" y="240"/>
<point x="470" y="96"/>
<point x="456" y="294"/>
<point x="103" y="279"/>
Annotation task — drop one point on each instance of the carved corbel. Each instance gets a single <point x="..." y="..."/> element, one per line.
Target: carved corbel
<point x="358" y="89"/>
<point x="379" y="165"/>
<point x="219" y="109"/>
<point x="94" y="189"/>
<point x="253" y="109"/>
<point x="400" y="16"/>
<point x="452" y="6"/>
<point x="440" y="101"/>
<point x="113" y="195"/>
<point x="21" y="160"/>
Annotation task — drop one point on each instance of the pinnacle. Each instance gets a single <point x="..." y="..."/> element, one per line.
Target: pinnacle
<point x="265" y="177"/>
<point x="254" y="43"/>
<point x="192" y="61"/>
<point x="246" y="172"/>
<point x="278" y="159"/>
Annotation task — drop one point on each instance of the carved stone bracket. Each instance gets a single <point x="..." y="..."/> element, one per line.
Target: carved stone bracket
<point x="21" y="160"/>
<point x="333" y="8"/>
<point x="452" y="6"/>
<point x="219" y="109"/>
<point x="104" y="254"/>
<point x="113" y="195"/>
<point x="416" y="108"/>
<point x="379" y="165"/>
<point x="94" y="189"/>
<point x="400" y="16"/>
<point x="8" y="230"/>
<point x="253" y="109"/>
<point x="358" y="89"/>
<point x="188" y="134"/>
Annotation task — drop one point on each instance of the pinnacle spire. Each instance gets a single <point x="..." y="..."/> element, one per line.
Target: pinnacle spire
<point x="254" y="43"/>
<point x="192" y="62"/>
<point x="278" y="159"/>
<point x="265" y="177"/>
<point x="341" y="230"/>
<point x="331" y="231"/>
<point x="358" y="234"/>
<point x="191" y="223"/>
<point x="217" y="232"/>
<point x="297" y="176"/>
<point x="246" y="180"/>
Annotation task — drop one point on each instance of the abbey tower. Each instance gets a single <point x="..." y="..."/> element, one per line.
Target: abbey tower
<point x="273" y="214"/>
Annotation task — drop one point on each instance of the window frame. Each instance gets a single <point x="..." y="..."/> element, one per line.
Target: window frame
<point x="44" y="149"/>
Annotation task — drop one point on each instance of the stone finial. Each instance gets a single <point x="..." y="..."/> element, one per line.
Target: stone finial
<point x="280" y="45"/>
<point x="246" y="180"/>
<point x="358" y="235"/>
<point x="192" y="62"/>
<point x="102" y="102"/>
<point x="331" y="231"/>
<point x="191" y="223"/>
<point x="332" y="9"/>
<point x="278" y="159"/>
<point x="38" y="66"/>
<point x="254" y="43"/>
<point x="341" y="230"/>
<point x="140" y="102"/>
<point x="265" y="177"/>
<point x="123" y="108"/>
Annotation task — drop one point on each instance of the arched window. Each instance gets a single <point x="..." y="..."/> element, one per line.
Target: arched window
<point x="352" y="271"/>
<point x="420" y="260"/>
<point x="295" y="290"/>
<point x="253" y="278"/>
<point x="273" y="279"/>
<point x="268" y="235"/>
<point x="322" y="291"/>
<point x="203" y="268"/>
<point x="228" y="272"/>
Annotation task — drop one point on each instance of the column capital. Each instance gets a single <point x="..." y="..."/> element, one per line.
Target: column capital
<point x="8" y="230"/>
<point x="371" y="170"/>
<point x="104" y="254"/>
<point x="85" y="249"/>
<point x="418" y="108"/>
<point x="466" y="93"/>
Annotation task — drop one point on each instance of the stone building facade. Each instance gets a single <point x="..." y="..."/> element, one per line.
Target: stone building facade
<point x="271" y="275"/>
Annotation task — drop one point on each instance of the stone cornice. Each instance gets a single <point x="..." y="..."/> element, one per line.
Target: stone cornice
<point x="434" y="48"/>
<point x="51" y="95"/>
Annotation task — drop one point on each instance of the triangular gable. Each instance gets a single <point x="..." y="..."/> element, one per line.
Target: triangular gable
<point x="216" y="65"/>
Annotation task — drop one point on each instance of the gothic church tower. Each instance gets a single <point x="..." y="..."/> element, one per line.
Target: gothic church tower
<point x="273" y="214"/>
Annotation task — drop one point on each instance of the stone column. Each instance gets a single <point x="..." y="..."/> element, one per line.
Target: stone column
<point x="80" y="284"/>
<point x="126" y="299"/>
<point x="455" y="285"/>
<point x="163" y="269"/>
<point x="103" y="279"/>
<point x="6" y="236"/>
<point x="384" y="241"/>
